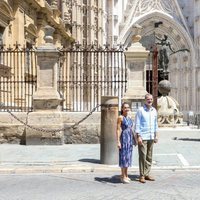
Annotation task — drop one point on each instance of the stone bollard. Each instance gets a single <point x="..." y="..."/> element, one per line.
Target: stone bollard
<point x="109" y="114"/>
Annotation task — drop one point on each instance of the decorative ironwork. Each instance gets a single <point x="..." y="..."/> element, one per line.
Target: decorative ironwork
<point x="85" y="74"/>
<point x="89" y="72"/>
<point x="17" y="77"/>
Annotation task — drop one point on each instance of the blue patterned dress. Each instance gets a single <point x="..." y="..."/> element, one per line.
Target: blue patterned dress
<point x="126" y="139"/>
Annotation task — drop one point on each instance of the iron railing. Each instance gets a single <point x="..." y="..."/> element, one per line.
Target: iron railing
<point x="193" y="119"/>
<point x="17" y="78"/>
<point x="87" y="73"/>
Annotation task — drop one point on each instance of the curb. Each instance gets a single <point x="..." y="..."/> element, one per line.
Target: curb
<point x="83" y="169"/>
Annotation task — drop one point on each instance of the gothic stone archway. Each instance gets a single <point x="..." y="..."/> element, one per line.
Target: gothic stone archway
<point x="181" y="65"/>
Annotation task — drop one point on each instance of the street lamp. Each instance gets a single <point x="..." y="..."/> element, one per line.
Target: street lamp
<point x="155" y="67"/>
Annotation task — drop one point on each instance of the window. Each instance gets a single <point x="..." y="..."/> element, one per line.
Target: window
<point x="1" y="34"/>
<point x="1" y="42"/>
<point x="49" y="1"/>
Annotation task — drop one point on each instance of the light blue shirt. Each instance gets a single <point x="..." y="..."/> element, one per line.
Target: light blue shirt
<point x="146" y="124"/>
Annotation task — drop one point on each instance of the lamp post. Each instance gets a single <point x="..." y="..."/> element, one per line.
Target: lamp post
<point x="155" y="67"/>
<point x="155" y="76"/>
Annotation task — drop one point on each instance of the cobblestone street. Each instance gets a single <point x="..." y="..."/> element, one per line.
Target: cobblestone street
<point x="176" y="185"/>
<point x="74" y="172"/>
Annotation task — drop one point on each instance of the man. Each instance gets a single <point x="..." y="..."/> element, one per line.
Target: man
<point x="146" y="127"/>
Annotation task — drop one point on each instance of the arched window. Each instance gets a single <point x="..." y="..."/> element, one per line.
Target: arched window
<point x="30" y="33"/>
<point x="6" y="14"/>
<point x="2" y="29"/>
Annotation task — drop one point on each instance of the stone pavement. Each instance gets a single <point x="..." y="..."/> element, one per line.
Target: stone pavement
<point x="169" y="185"/>
<point x="178" y="148"/>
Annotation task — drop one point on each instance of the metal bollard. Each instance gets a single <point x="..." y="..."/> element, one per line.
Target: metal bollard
<point x="198" y="120"/>
<point x="190" y="118"/>
<point x="109" y="113"/>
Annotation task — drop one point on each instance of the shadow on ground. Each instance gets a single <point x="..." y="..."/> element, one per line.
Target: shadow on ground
<point x="90" y="160"/>
<point x="115" y="179"/>
<point x="187" y="139"/>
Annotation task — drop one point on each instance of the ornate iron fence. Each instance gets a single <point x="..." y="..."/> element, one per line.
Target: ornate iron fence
<point x="193" y="119"/>
<point x="17" y="78"/>
<point x="87" y="73"/>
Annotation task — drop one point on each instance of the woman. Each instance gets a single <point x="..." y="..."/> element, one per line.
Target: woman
<point x="125" y="141"/>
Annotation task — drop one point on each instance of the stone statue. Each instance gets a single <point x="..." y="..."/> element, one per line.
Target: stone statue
<point x="163" y="59"/>
<point x="164" y="53"/>
<point x="168" y="108"/>
<point x="163" y="56"/>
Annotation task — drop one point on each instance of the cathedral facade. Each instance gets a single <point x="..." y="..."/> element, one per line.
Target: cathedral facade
<point x="180" y="21"/>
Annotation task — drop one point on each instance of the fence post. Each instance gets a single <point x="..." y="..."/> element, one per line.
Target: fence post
<point x="198" y="120"/>
<point x="109" y="115"/>
<point x="136" y="56"/>
<point x="190" y="117"/>
<point x="46" y="100"/>
<point x="46" y="96"/>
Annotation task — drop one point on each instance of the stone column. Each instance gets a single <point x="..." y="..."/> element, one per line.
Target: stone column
<point x="136" y="56"/>
<point x="46" y="96"/>
<point x="109" y="114"/>
<point x="46" y="100"/>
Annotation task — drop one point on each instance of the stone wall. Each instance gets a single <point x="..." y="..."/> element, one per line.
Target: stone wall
<point x="23" y="21"/>
<point x="86" y="132"/>
<point x="12" y="131"/>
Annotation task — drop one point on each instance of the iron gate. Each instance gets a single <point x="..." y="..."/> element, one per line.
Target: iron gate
<point x="87" y="73"/>
<point x="17" y="78"/>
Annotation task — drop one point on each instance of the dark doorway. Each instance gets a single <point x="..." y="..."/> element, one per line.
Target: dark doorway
<point x="149" y="81"/>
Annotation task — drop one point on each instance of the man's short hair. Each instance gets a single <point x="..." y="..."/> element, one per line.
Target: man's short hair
<point x="147" y="95"/>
